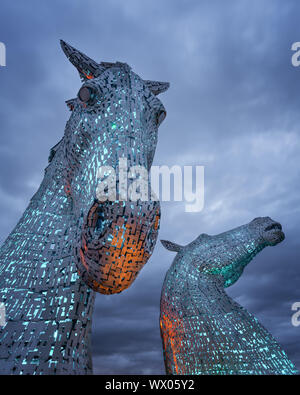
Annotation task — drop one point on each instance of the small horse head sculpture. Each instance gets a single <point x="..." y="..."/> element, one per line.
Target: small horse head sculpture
<point x="226" y="255"/>
<point x="115" y="116"/>
<point x="203" y="330"/>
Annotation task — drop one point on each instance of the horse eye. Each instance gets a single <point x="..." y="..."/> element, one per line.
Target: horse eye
<point x="85" y="94"/>
<point x="161" y="117"/>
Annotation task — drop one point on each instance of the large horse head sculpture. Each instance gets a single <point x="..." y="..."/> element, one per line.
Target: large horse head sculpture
<point x="115" y="116"/>
<point x="73" y="239"/>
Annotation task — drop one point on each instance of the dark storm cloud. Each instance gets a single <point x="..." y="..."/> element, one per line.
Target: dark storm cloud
<point x="233" y="106"/>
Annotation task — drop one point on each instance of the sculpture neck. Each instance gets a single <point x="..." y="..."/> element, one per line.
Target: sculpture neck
<point x="48" y="216"/>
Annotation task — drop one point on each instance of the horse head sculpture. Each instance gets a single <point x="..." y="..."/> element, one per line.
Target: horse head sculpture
<point x="115" y="117"/>
<point x="203" y="330"/>
<point x="71" y="241"/>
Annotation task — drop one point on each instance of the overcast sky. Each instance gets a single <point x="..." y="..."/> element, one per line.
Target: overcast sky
<point x="233" y="106"/>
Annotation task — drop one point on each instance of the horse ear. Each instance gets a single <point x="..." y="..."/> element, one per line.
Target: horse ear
<point x="157" y="87"/>
<point x="86" y="66"/>
<point x="171" y="246"/>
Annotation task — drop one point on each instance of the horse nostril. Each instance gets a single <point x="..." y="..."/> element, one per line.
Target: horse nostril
<point x="100" y="223"/>
<point x="276" y="225"/>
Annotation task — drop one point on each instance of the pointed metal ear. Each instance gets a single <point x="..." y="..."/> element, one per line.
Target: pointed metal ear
<point x="171" y="246"/>
<point x="86" y="66"/>
<point x="157" y="87"/>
